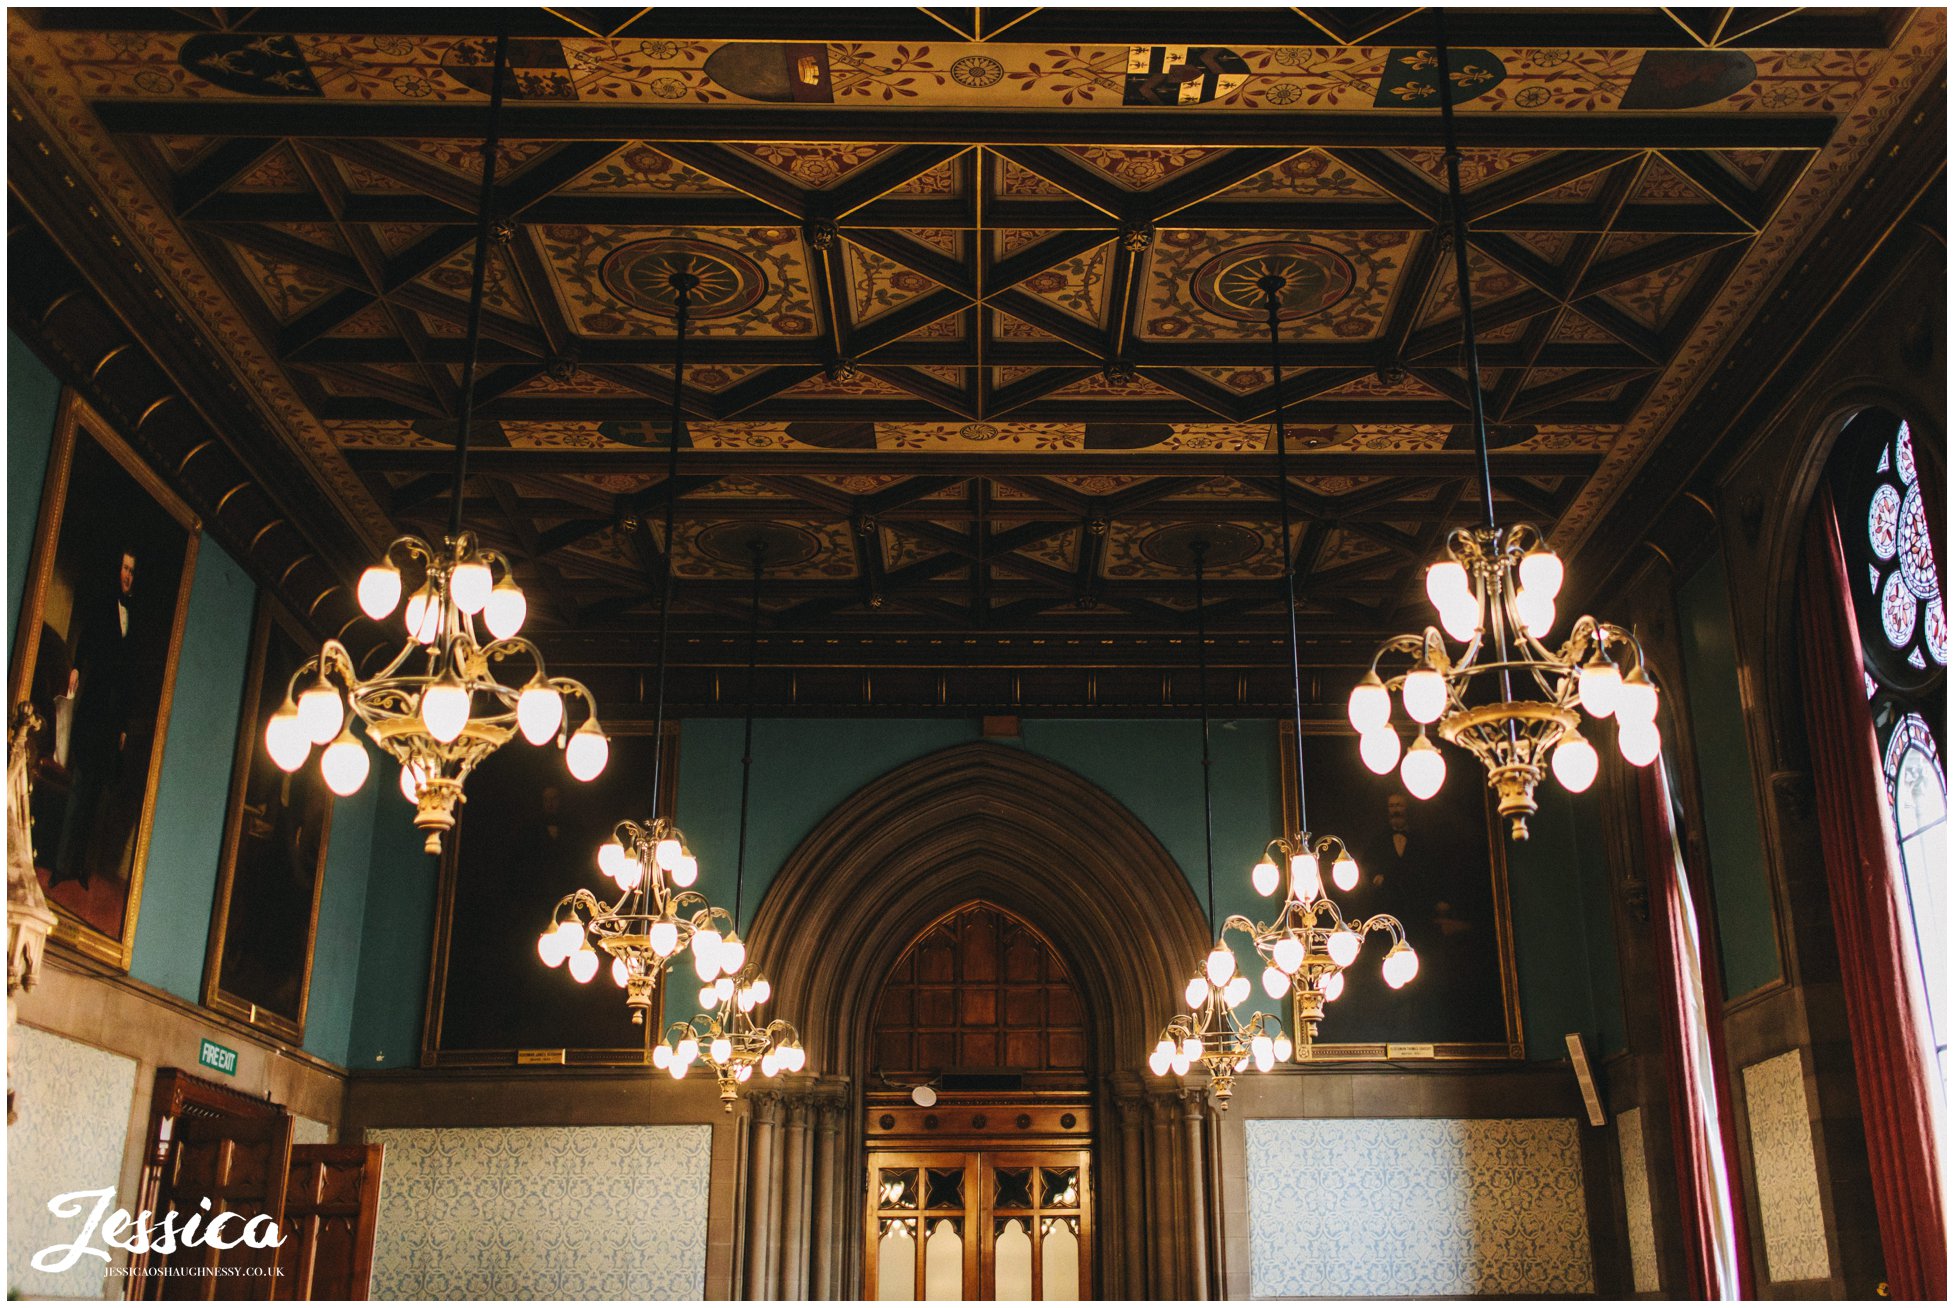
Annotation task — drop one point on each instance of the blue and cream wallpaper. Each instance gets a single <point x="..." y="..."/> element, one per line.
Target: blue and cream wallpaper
<point x="1788" y="1201"/>
<point x="1416" y="1207"/>
<point x="592" y="1212"/>
<point x="1635" y="1202"/>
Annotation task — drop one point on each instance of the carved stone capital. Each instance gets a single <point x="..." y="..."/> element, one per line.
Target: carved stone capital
<point x="766" y="1107"/>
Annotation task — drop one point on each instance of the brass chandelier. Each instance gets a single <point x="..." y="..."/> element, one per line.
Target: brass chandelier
<point x="1209" y="1034"/>
<point x="1310" y="943"/>
<point x="656" y="915"/>
<point x="1508" y="699"/>
<point x="725" y="1032"/>
<point x="438" y="706"/>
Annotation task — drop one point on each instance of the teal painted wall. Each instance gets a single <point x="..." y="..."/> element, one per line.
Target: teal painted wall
<point x="1739" y="875"/>
<point x="1564" y="930"/>
<point x="33" y="395"/>
<point x="336" y="951"/>
<point x="396" y="937"/>
<point x="180" y="878"/>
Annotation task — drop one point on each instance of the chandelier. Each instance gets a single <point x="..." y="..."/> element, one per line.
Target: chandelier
<point x="1508" y="699"/>
<point x="1209" y="1034"/>
<point x="725" y="1032"/>
<point x="656" y="915"/>
<point x="1310" y="943"/>
<point x="439" y="706"/>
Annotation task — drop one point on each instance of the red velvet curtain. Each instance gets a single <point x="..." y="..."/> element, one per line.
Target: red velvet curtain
<point x="1697" y="1180"/>
<point x="1856" y="836"/>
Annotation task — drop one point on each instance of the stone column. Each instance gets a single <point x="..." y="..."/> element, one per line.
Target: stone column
<point x="829" y="1113"/>
<point x="790" y="1277"/>
<point x="760" y="1194"/>
<point x="1130" y="1115"/>
<point x="1194" y="1120"/>
<point x="1161" y="1222"/>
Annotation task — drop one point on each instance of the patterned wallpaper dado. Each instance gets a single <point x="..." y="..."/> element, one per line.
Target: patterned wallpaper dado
<point x="594" y="1212"/>
<point x="1635" y="1201"/>
<point x="1787" y="1170"/>
<point x="1400" y="1207"/>
<point x="74" y="1102"/>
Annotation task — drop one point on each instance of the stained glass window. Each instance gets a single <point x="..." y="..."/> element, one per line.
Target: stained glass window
<point x="1902" y="616"/>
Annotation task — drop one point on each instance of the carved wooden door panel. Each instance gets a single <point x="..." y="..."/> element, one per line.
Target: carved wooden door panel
<point x="979" y="1225"/>
<point x="332" y="1200"/>
<point x="216" y="1165"/>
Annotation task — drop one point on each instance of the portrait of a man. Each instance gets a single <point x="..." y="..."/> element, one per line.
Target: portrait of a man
<point x="95" y="650"/>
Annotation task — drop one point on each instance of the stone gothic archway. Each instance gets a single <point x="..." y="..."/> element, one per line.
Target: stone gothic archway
<point x="976" y="822"/>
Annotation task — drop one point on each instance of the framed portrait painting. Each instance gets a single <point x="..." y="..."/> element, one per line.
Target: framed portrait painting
<point x="1439" y="867"/>
<point x="95" y="651"/>
<point x="528" y="836"/>
<point x="272" y="866"/>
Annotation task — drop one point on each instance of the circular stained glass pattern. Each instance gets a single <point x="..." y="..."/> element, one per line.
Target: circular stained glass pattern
<point x="1916" y="550"/>
<point x="1898" y="611"/>
<point x="1228" y="285"/>
<point x="1903" y="454"/>
<point x="640" y="274"/>
<point x="1883" y="521"/>
<point x="1936" y="630"/>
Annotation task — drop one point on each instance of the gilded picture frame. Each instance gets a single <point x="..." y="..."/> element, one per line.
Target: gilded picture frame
<point x="269" y="811"/>
<point x="464" y="1026"/>
<point x="92" y="859"/>
<point x="1332" y="759"/>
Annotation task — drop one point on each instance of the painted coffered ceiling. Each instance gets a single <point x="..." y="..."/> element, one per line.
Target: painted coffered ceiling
<point x="979" y="340"/>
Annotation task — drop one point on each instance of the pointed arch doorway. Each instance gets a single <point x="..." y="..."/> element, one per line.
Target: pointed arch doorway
<point x="980" y="1186"/>
<point x="993" y="827"/>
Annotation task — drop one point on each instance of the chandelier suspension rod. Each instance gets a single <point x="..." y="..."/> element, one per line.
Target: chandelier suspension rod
<point x="746" y="748"/>
<point x="1199" y="549"/>
<point x="491" y="147"/>
<point x="1456" y="196"/>
<point x="1272" y="287"/>
<point x="682" y="284"/>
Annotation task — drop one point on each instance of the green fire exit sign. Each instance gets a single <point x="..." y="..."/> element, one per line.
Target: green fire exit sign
<point x="218" y="1058"/>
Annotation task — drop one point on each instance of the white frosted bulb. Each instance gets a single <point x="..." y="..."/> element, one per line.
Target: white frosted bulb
<point x="679" y="1069"/>
<point x="1601" y="687"/>
<point x="1181" y="1062"/>
<point x="321" y="712"/>
<point x="661" y="1057"/>
<point x="744" y="1073"/>
<point x="1343" y="947"/>
<point x="1236" y="992"/>
<point x="722" y="1050"/>
<point x="685" y="871"/>
<point x="1370" y="704"/>
<point x="1344" y="872"/>
<point x="1639" y="742"/>
<point x="1221" y="965"/>
<point x="1196" y="993"/>
<point x="667" y="853"/>
<point x="470" y="584"/>
<point x="705" y="953"/>
<point x="345" y="764"/>
<point x="1264" y="1052"/>
<point x="423" y="616"/>
<point x="1461" y="620"/>
<point x="630" y="875"/>
<point x="687" y="1051"/>
<point x="1637" y="699"/>
<point x="1193" y="1049"/>
<point x="709" y="996"/>
<point x="285" y="740"/>
<point x="1380" y="749"/>
<point x="379" y="590"/>
<point x="548" y="951"/>
<point x="798" y="1054"/>
<point x="1400" y="966"/>
<point x="1265" y="877"/>
<point x="1160" y="1060"/>
<point x="1423" y="769"/>
<point x="746" y="1000"/>
<point x="732" y="956"/>
<point x="1536" y="612"/>
<point x="620" y="973"/>
<point x="539" y="712"/>
<point x="611" y="859"/>
<point x="1575" y="762"/>
<point x="1305" y="878"/>
<point x="444" y="709"/>
<point x="1541" y="571"/>
<point x="1332" y="986"/>
<point x="583" y="964"/>
<point x="1447" y="584"/>
<point x="769" y="1064"/>
<point x="1275" y="982"/>
<point x="569" y="937"/>
<point x="411" y="782"/>
<point x="762" y="990"/>
<point x="505" y="610"/>
<point x="1424" y="694"/>
<point x="1284" y="1047"/>
<point x="664" y="938"/>
<point x="1288" y="954"/>
<point x="722" y="989"/>
<point x="587" y="751"/>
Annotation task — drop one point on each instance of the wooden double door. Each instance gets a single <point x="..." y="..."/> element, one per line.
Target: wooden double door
<point x="979" y="1224"/>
